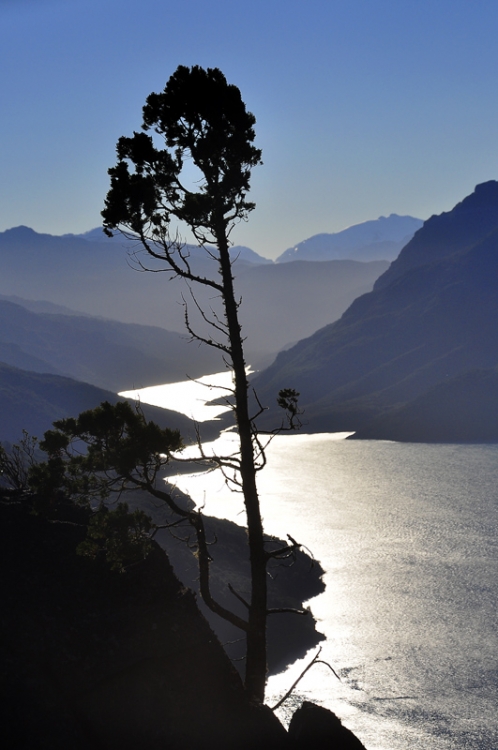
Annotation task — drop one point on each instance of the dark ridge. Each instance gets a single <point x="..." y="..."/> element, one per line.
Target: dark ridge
<point x="431" y="323"/>
<point x="463" y="409"/>
<point x="467" y="223"/>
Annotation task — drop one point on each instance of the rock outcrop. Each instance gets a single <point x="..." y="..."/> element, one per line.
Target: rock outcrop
<point x="316" y="728"/>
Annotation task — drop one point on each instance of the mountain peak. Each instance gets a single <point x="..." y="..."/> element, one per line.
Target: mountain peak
<point x="448" y="233"/>
<point x="487" y="188"/>
<point x="22" y="231"/>
<point x="377" y="239"/>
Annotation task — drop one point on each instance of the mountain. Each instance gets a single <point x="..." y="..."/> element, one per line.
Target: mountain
<point x="461" y="409"/>
<point x="283" y="303"/>
<point x="32" y="401"/>
<point x="99" y="278"/>
<point x="108" y="354"/>
<point x="380" y="239"/>
<point x="245" y="254"/>
<point x="11" y="354"/>
<point x="40" y="306"/>
<point x="434" y="320"/>
<point x="449" y="233"/>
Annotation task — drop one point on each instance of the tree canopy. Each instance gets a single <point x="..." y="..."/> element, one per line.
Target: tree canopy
<point x="198" y="117"/>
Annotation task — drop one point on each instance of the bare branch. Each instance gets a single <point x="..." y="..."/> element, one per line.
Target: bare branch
<point x="167" y="254"/>
<point x="222" y="329"/>
<point x="261" y="408"/>
<point x="284" y="610"/>
<point x="314" y="661"/>
<point x="238" y="596"/>
<point x="196" y="336"/>
<point x="284" y="552"/>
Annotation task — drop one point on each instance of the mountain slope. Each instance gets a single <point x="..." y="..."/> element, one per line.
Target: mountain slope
<point x="95" y="278"/>
<point x="433" y="321"/>
<point x="461" y="409"/>
<point x="380" y="239"/>
<point x="283" y="303"/>
<point x="32" y="401"/>
<point x="111" y="355"/>
<point x="449" y="233"/>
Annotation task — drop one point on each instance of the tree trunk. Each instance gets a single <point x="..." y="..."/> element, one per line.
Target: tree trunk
<point x="256" y="636"/>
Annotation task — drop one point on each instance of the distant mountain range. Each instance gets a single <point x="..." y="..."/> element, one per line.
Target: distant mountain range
<point x="107" y="354"/>
<point x="61" y="351"/>
<point x="381" y="239"/>
<point x="377" y="239"/>
<point x="94" y="277"/>
<point x="414" y="358"/>
<point x="240" y="252"/>
<point x="421" y="345"/>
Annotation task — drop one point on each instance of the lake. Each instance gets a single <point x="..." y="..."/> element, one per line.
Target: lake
<point x="407" y="536"/>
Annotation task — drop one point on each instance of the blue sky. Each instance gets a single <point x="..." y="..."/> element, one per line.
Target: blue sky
<point x="364" y="108"/>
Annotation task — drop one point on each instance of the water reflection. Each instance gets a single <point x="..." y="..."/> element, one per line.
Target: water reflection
<point x="407" y="535"/>
<point x="188" y="397"/>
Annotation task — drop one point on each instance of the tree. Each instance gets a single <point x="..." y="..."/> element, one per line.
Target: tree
<point x="199" y="119"/>
<point x="16" y="463"/>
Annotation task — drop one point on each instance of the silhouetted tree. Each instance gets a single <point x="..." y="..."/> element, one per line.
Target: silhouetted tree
<point x="16" y="462"/>
<point x="201" y="119"/>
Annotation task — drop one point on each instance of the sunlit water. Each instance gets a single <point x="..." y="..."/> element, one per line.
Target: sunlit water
<point x="189" y="396"/>
<point x="407" y="536"/>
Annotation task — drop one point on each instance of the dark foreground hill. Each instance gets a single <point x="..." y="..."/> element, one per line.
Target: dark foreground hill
<point x="95" y="658"/>
<point x="92" y="658"/>
<point x="430" y="319"/>
<point x="290" y="636"/>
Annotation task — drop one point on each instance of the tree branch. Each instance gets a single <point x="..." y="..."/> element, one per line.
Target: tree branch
<point x="314" y="661"/>
<point x="284" y="610"/>
<point x="238" y="596"/>
<point x="284" y="552"/>
<point x="204" y="559"/>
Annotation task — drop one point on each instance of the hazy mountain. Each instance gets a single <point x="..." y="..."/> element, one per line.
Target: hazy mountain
<point x="32" y="401"/>
<point x="432" y="322"/>
<point x="40" y="306"/>
<point x="283" y="303"/>
<point x="111" y="355"/>
<point x="13" y="355"/>
<point x="99" y="278"/>
<point x="380" y="239"/>
<point x="245" y="254"/>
